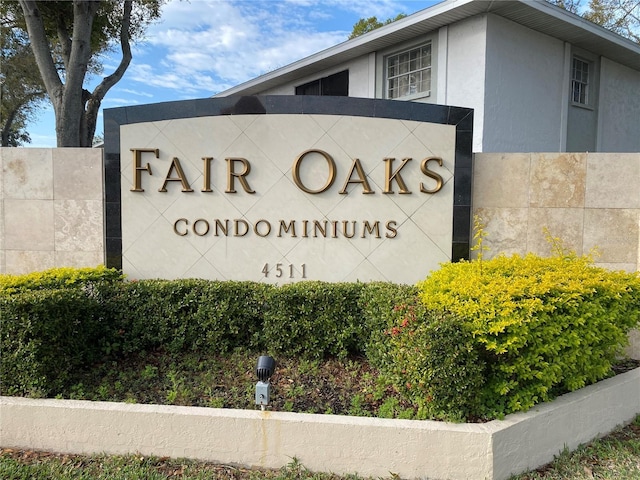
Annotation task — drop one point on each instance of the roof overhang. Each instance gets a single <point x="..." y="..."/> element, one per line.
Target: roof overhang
<point x="538" y="15"/>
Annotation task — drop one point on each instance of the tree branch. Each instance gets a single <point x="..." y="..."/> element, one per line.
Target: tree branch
<point x="41" y="51"/>
<point x="64" y="38"/>
<point x="101" y="90"/>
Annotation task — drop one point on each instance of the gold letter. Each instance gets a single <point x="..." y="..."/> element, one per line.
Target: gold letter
<point x="175" y="164"/>
<point x="291" y="226"/>
<point x="430" y="173"/>
<point x="224" y="228"/>
<point x="371" y="228"/>
<point x="236" y="224"/>
<point x="206" y="174"/>
<point x="240" y="176"/>
<point x="137" y="158"/>
<point x="296" y="171"/>
<point x="389" y="176"/>
<point x="317" y="226"/>
<point x="175" y="226"/>
<point x="345" y="223"/>
<point x="257" y="230"/>
<point x="362" y="178"/>
<point x="206" y="227"/>
<point x="393" y="232"/>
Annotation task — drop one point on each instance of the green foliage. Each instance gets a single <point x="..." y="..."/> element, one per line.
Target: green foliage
<point x="475" y="340"/>
<point x="314" y="319"/>
<point x="541" y="326"/>
<point x="378" y="302"/>
<point x="431" y="360"/>
<point x="366" y="25"/>
<point x="64" y="277"/>
<point x="46" y="336"/>
<point x="21" y="88"/>
<point x="52" y="326"/>
<point x="179" y="315"/>
<point x="66" y="53"/>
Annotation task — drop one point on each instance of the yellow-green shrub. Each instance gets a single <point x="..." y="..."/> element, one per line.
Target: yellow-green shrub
<point x="62" y="277"/>
<point x="543" y="326"/>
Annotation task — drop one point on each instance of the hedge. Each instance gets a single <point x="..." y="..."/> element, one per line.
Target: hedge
<point x="475" y="340"/>
<point x="541" y="326"/>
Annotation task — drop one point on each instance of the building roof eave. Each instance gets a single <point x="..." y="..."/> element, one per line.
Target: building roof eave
<point x="538" y="15"/>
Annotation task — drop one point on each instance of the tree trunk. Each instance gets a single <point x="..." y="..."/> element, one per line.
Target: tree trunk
<point x="76" y="109"/>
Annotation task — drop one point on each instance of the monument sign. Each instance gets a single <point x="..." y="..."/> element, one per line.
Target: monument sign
<point x="282" y="189"/>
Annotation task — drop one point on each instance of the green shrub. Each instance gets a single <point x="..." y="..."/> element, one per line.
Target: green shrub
<point x="64" y="277"/>
<point x="378" y="302"/>
<point x="53" y="325"/>
<point x="180" y="315"/>
<point x="543" y="326"/>
<point x="230" y="315"/>
<point x="314" y="319"/>
<point x="150" y="314"/>
<point x="430" y="359"/>
<point x="474" y="340"/>
<point x="47" y="337"/>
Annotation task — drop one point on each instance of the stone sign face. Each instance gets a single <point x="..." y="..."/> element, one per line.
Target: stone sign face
<point x="283" y="189"/>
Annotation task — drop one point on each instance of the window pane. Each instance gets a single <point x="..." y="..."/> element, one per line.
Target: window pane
<point x="425" y="82"/>
<point x="579" y="81"/>
<point x="409" y="72"/>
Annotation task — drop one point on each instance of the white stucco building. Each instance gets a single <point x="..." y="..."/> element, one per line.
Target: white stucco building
<point x="538" y="77"/>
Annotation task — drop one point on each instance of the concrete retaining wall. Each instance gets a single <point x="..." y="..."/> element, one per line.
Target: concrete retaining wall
<point x="367" y="446"/>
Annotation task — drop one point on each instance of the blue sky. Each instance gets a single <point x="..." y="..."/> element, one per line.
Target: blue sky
<point x="201" y="47"/>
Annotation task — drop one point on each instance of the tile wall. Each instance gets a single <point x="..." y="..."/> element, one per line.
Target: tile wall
<point x="51" y="211"/>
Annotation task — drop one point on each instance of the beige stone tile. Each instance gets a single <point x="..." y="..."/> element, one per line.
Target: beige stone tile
<point x="77" y="173"/>
<point x="160" y="253"/>
<point x="271" y="135"/>
<point x="28" y="225"/>
<point x="633" y="350"/>
<point x="613" y="180"/>
<point x="78" y="225"/>
<point x="614" y="233"/>
<point x="421" y="255"/>
<point x="3" y="264"/>
<point x="501" y="180"/>
<point x="27" y="261"/>
<point x="28" y="173"/>
<point x="2" y="153"/>
<point x="198" y="137"/>
<point x="1" y="224"/>
<point x="558" y="180"/>
<point x="79" y="259"/>
<point x="625" y="267"/>
<point x="369" y="138"/>
<point x="506" y="230"/>
<point x="438" y="140"/>
<point x="546" y="224"/>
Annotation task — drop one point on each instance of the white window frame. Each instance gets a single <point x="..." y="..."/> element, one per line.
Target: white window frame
<point x="581" y="73"/>
<point x="407" y="73"/>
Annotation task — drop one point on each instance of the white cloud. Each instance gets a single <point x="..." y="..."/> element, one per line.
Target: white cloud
<point x="114" y="101"/>
<point x="135" y="92"/>
<point x="202" y="47"/>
